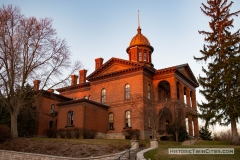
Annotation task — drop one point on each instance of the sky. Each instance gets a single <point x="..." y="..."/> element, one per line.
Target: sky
<point x="104" y="28"/>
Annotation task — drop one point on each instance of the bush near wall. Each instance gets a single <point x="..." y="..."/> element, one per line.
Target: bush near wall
<point x="51" y="133"/>
<point x="131" y="133"/>
<point x="61" y="132"/>
<point x="76" y="133"/>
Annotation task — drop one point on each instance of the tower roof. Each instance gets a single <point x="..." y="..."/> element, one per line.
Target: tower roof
<point x="139" y="39"/>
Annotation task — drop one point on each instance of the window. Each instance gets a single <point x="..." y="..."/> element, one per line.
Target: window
<point x="145" y="56"/>
<point x="70" y="117"/>
<point x="103" y="95"/>
<point x="149" y="91"/>
<point x="127" y="91"/>
<point x="110" y="121"/>
<point x="52" y="109"/>
<point x="140" y="56"/>
<point x="51" y="124"/>
<point x="127" y="117"/>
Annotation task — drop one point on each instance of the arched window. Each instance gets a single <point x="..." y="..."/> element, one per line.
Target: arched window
<point x="104" y="95"/>
<point x="52" y="109"/>
<point x="70" y="117"/>
<point x="140" y="56"/>
<point x="110" y="121"/>
<point x="127" y="91"/>
<point x="127" y="119"/>
<point x="164" y="91"/>
<point x="145" y="56"/>
<point x="149" y="91"/>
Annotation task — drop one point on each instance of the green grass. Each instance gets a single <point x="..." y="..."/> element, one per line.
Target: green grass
<point x="162" y="151"/>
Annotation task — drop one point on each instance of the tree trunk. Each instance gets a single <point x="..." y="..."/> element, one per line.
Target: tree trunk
<point x="154" y="132"/>
<point x="176" y="136"/>
<point x="235" y="140"/>
<point x="14" y="130"/>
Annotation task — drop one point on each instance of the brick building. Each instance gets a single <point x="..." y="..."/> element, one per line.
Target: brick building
<point x="99" y="101"/>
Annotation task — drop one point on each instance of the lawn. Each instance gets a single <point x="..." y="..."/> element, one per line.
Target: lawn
<point x="162" y="151"/>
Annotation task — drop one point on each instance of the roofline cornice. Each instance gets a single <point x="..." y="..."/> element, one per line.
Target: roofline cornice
<point x="81" y="85"/>
<point x="180" y="74"/>
<point x="113" y="59"/>
<point x="83" y="100"/>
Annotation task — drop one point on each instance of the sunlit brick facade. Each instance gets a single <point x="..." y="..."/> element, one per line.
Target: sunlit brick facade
<point x="99" y="101"/>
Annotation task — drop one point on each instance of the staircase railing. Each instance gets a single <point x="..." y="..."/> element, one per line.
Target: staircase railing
<point x="127" y="151"/>
<point x="144" y="145"/>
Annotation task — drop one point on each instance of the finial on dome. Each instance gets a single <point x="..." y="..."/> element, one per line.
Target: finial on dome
<point x="139" y="29"/>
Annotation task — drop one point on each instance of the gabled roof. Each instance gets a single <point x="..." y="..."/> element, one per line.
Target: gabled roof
<point x="183" y="70"/>
<point x="186" y="70"/>
<point x="51" y="95"/>
<point x="116" y="66"/>
<point x="77" y="86"/>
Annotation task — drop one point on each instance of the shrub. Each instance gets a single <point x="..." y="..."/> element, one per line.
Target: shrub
<point x="78" y="132"/>
<point x="182" y="135"/>
<point x="205" y="134"/>
<point x="222" y="136"/>
<point x="4" y="132"/>
<point x="131" y="133"/>
<point x="61" y="132"/>
<point x="128" y="133"/>
<point x="51" y="133"/>
<point x="69" y="133"/>
<point x="89" y="134"/>
<point x="136" y="133"/>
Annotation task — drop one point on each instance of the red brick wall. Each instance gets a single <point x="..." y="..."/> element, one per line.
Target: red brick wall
<point x="115" y="97"/>
<point x="96" y="118"/>
<point x="86" y="115"/>
<point x="44" y="107"/>
<point x="78" y="115"/>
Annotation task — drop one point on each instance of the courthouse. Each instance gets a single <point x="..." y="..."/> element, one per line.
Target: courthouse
<point x="99" y="101"/>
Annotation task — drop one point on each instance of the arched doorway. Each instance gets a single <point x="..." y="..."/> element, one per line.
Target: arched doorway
<point x="164" y="93"/>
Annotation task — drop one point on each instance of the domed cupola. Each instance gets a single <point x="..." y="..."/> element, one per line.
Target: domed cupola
<point x="140" y="49"/>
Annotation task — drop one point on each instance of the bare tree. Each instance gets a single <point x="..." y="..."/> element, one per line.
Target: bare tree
<point x="151" y="113"/>
<point x="177" y="115"/>
<point x="29" y="50"/>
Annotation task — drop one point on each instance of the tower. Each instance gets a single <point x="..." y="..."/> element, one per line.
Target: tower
<point x="140" y="49"/>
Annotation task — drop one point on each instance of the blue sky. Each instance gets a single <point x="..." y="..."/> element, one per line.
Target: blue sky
<point x="104" y="28"/>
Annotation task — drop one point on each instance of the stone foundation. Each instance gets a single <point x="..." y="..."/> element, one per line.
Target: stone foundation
<point x="115" y="136"/>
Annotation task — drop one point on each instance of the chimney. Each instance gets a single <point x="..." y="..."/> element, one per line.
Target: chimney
<point x="36" y="85"/>
<point x="82" y="74"/>
<point x="98" y="62"/>
<point x="50" y="90"/>
<point x="74" y="79"/>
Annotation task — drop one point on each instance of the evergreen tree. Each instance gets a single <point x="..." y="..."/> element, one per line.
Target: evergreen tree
<point x="221" y="85"/>
<point x="205" y="134"/>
